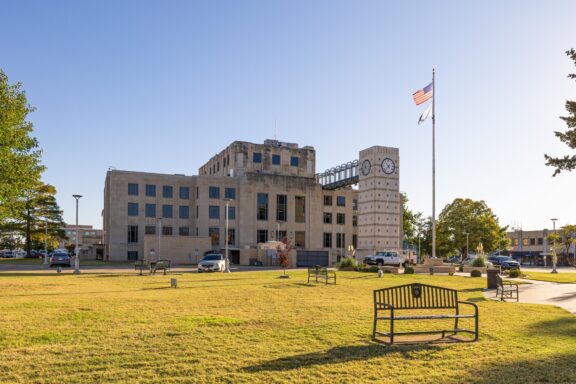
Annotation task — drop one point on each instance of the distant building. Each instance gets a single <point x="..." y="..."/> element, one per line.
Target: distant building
<point x="532" y="247"/>
<point x="272" y="191"/>
<point x="90" y="240"/>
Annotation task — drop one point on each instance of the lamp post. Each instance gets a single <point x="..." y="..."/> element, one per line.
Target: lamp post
<point x="227" y="260"/>
<point x="76" y="251"/>
<point x="46" y="242"/>
<point x="159" y="237"/>
<point x="554" y="256"/>
<point x="467" y="250"/>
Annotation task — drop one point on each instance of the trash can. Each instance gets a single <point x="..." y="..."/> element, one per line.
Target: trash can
<point x="491" y="274"/>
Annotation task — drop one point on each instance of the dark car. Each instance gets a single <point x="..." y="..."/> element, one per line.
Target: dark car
<point x="505" y="262"/>
<point x="60" y="258"/>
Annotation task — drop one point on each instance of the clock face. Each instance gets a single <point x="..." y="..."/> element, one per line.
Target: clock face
<point x="388" y="166"/>
<point x="366" y="167"/>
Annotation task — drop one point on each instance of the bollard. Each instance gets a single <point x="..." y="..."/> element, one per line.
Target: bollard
<point x="173" y="283"/>
<point x="59" y="269"/>
<point x="380" y="273"/>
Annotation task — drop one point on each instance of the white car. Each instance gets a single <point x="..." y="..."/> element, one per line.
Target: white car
<point x="213" y="262"/>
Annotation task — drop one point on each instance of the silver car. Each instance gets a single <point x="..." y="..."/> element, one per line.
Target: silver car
<point x="213" y="262"/>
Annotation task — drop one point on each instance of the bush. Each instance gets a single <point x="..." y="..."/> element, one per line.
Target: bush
<point x="475" y="273"/>
<point x="479" y="262"/>
<point x="348" y="264"/>
<point x="372" y="269"/>
<point x="408" y="270"/>
<point x="515" y="273"/>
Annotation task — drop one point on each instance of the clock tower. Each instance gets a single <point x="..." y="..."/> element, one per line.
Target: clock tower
<point x="379" y="204"/>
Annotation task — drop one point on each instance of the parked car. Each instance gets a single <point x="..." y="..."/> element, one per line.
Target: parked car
<point x="506" y="262"/>
<point x="60" y="257"/>
<point x="453" y="260"/>
<point x="8" y="254"/>
<point x="388" y="258"/>
<point x="213" y="262"/>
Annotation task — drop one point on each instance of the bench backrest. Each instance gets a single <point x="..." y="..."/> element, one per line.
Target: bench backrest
<point x="499" y="280"/>
<point x="416" y="296"/>
<point x="163" y="263"/>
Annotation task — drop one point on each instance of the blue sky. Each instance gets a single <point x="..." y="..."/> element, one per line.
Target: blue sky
<point x="162" y="86"/>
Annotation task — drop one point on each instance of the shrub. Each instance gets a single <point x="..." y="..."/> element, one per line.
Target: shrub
<point x="515" y="273"/>
<point x="373" y="269"/>
<point x="479" y="262"/>
<point x="348" y="264"/>
<point x="409" y="270"/>
<point x="475" y="273"/>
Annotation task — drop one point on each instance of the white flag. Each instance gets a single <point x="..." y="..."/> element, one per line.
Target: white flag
<point x="425" y="114"/>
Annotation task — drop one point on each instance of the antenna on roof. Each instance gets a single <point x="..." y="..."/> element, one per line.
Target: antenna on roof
<point x="111" y="168"/>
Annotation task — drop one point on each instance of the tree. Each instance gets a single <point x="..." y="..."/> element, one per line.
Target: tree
<point x="564" y="237"/>
<point x="566" y="163"/>
<point x="466" y="216"/>
<point x="283" y="252"/>
<point x="19" y="157"/>
<point x="39" y="207"/>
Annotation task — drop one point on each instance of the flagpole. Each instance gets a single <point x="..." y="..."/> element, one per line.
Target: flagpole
<point x="433" y="168"/>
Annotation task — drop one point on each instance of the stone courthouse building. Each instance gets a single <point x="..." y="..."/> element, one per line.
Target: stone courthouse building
<point x="270" y="191"/>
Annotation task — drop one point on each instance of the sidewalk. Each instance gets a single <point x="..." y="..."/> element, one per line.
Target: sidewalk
<point x="543" y="292"/>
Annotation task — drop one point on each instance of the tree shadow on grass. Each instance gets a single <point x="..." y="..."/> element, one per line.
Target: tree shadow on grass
<point x="564" y="327"/>
<point x="338" y="355"/>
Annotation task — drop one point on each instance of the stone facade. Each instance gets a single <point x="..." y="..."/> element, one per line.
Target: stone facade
<point x="271" y="192"/>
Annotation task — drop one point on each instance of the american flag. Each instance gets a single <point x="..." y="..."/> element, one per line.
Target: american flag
<point x="423" y="95"/>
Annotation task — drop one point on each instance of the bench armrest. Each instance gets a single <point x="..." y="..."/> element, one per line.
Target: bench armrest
<point x="469" y="303"/>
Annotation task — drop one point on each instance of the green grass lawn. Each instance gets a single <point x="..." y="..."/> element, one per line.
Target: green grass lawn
<point x="553" y="277"/>
<point x="252" y="327"/>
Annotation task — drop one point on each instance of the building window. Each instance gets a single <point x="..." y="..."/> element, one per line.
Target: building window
<point x="214" y="212"/>
<point x="150" y="190"/>
<point x="340" y="218"/>
<point x="354" y="204"/>
<point x="341" y="201"/>
<point x="355" y="241"/>
<point x="132" y="234"/>
<point x="300" y="239"/>
<point x="231" y="236"/>
<point x="294" y="161"/>
<point x="257" y="157"/>
<point x="150" y="230"/>
<point x="167" y="192"/>
<point x="230" y="193"/>
<point x="214" y="234"/>
<point x="184" y="193"/>
<point x="532" y="241"/>
<point x="515" y="242"/>
<point x="524" y="241"/>
<point x="328" y="200"/>
<point x="184" y="231"/>
<point x="281" y="207"/>
<point x="327" y="218"/>
<point x="150" y="210"/>
<point x="327" y="240"/>
<point x="354" y="220"/>
<point x="231" y="213"/>
<point x="261" y="236"/>
<point x="132" y="189"/>
<point x="214" y="192"/>
<point x="262" y="206"/>
<point x="184" y="212"/>
<point x="280" y="235"/>
<point x="167" y="211"/>
<point x="132" y="209"/>
<point x="340" y="240"/>
<point x="300" y="209"/>
<point x="275" y="159"/>
<point x="132" y="255"/>
<point x="167" y="230"/>
<point x="540" y="241"/>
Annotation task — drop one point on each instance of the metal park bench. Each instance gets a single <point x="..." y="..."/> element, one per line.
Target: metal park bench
<point x="506" y="289"/>
<point x="323" y="273"/>
<point x="159" y="265"/>
<point x="416" y="301"/>
<point x="141" y="265"/>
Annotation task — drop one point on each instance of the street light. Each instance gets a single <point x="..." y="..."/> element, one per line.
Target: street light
<point x="77" y="259"/>
<point x="554" y="224"/>
<point x="467" y="250"/>
<point x="227" y="260"/>
<point x="554" y="256"/>
<point x="46" y="242"/>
